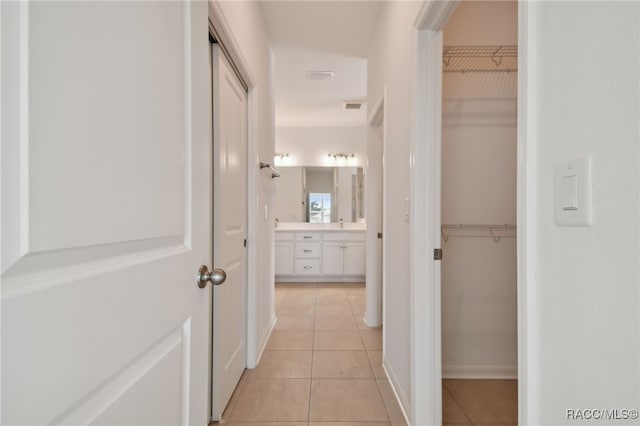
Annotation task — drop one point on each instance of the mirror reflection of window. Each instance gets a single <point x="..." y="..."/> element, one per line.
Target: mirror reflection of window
<point x="319" y="207"/>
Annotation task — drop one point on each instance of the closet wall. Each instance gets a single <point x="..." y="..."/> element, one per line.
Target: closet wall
<point x="479" y="334"/>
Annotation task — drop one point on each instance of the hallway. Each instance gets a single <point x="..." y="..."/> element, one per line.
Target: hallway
<point x="321" y="364"/>
<point x="322" y="367"/>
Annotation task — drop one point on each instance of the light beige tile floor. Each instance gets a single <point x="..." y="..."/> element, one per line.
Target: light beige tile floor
<point x="322" y="367"/>
<point x="480" y="402"/>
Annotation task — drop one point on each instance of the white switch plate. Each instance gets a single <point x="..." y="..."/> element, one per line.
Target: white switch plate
<point x="573" y="193"/>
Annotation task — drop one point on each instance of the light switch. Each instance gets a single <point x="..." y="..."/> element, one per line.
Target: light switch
<point x="573" y="192"/>
<point x="569" y="192"/>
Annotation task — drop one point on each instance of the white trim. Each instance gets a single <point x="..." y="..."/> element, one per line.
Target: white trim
<point x="265" y="339"/>
<point x="402" y="399"/>
<point x="495" y="372"/>
<point x="527" y="242"/>
<point x="377" y="113"/>
<point x="373" y="185"/>
<point x="434" y="14"/>
<point x="425" y="323"/>
<point x="252" y="229"/>
<point x="223" y="30"/>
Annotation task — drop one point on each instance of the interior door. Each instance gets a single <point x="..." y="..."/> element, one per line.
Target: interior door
<point x="229" y="223"/>
<point x="105" y="212"/>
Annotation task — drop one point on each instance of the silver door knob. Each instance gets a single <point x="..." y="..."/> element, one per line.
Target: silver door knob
<point x="216" y="277"/>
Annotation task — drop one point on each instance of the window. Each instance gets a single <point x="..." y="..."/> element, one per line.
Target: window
<point x="319" y="207"/>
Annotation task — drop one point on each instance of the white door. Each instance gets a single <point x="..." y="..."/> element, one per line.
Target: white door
<point x="229" y="223"/>
<point x="105" y="213"/>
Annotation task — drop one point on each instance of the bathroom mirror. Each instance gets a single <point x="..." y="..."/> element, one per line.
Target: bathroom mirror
<point x="319" y="195"/>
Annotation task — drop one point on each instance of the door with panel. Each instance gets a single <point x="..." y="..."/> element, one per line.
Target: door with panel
<point x="102" y="319"/>
<point x="229" y="350"/>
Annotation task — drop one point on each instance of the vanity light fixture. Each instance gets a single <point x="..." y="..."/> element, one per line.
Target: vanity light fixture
<point x="341" y="155"/>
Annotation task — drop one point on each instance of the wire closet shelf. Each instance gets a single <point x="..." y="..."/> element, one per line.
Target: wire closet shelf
<point x="463" y="59"/>
<point x="497" y="232"/>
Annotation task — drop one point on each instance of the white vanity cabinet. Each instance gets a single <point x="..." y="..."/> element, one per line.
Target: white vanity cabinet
<point x="329" y="255"/>
<point x="284" y="253"/>
<point x="343" y="254"/>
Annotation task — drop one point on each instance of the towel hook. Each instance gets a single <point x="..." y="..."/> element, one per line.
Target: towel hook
<point x="274" y="173"/>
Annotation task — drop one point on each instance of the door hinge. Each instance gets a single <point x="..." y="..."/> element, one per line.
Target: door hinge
<point x="437" y="254"/>
<point x="245" y="242"/>
<point x="379" y="235"/>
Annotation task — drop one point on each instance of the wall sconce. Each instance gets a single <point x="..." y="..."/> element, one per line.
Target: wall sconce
<point x="342" y="156"/>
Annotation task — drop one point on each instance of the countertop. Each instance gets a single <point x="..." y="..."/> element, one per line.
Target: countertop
<point x="320" y="227"/>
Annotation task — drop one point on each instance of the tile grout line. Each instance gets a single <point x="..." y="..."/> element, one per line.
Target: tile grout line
<point x="313" y="355"/>
<point x="457" y="403"/>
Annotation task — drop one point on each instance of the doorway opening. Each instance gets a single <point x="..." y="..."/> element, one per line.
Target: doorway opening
<point x="479" y="109"/>
<point x="478" y="214"/>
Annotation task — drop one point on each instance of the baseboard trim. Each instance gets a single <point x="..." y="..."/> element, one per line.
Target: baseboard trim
<point x="501" y="372"/>
<point x="402" y="399"/>
<point x="274" y="320"/>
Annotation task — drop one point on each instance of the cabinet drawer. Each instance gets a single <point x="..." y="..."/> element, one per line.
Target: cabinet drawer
<point x="284" y="236"/>
<point x="304" y="250"/>
<point x="308" y="236"/>
<point x="307" y="266"/>
<point x="344" y="236"/>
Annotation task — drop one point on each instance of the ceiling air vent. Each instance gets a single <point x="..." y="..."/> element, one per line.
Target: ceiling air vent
<point x="353" y="105"/>
<point x="321" y="75"/>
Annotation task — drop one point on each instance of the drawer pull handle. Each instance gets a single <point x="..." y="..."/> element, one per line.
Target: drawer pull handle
<point x="307" y="251"/>
<point x="307" y="237"/>
<point x="308" y="267"/>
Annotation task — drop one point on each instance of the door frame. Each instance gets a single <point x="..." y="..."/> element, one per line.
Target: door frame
<point x="374" y="278"/>
<point x="426" y="363"/>
<point x="219" y="27"/>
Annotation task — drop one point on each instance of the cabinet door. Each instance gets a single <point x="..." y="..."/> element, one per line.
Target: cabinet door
<point x="284" y="259"/>
<point x="354" y="259"/>
<point x="332" y="258"/>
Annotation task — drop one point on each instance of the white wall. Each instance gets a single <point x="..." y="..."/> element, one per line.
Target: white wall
<point x="310" y="146"/>
<point x="583" y="99"/>
<point x="479" y="337"/>
<point x="250" y="33"/>
<point x="390" y="64"/>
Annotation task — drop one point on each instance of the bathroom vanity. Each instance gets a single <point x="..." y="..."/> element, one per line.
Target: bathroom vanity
<point x="307" y="252"/>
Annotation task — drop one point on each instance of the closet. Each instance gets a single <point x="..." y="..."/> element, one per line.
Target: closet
<point x="479" y="293"/>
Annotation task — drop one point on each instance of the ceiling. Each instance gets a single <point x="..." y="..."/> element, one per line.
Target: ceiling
<point x="320" y="36"/>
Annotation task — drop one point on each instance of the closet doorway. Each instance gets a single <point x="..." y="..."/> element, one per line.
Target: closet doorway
<point x="478" y="214"/>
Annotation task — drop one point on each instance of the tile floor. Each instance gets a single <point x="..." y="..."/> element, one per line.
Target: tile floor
<point x="322" y="367"/>
<point x="480" y="402"/>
